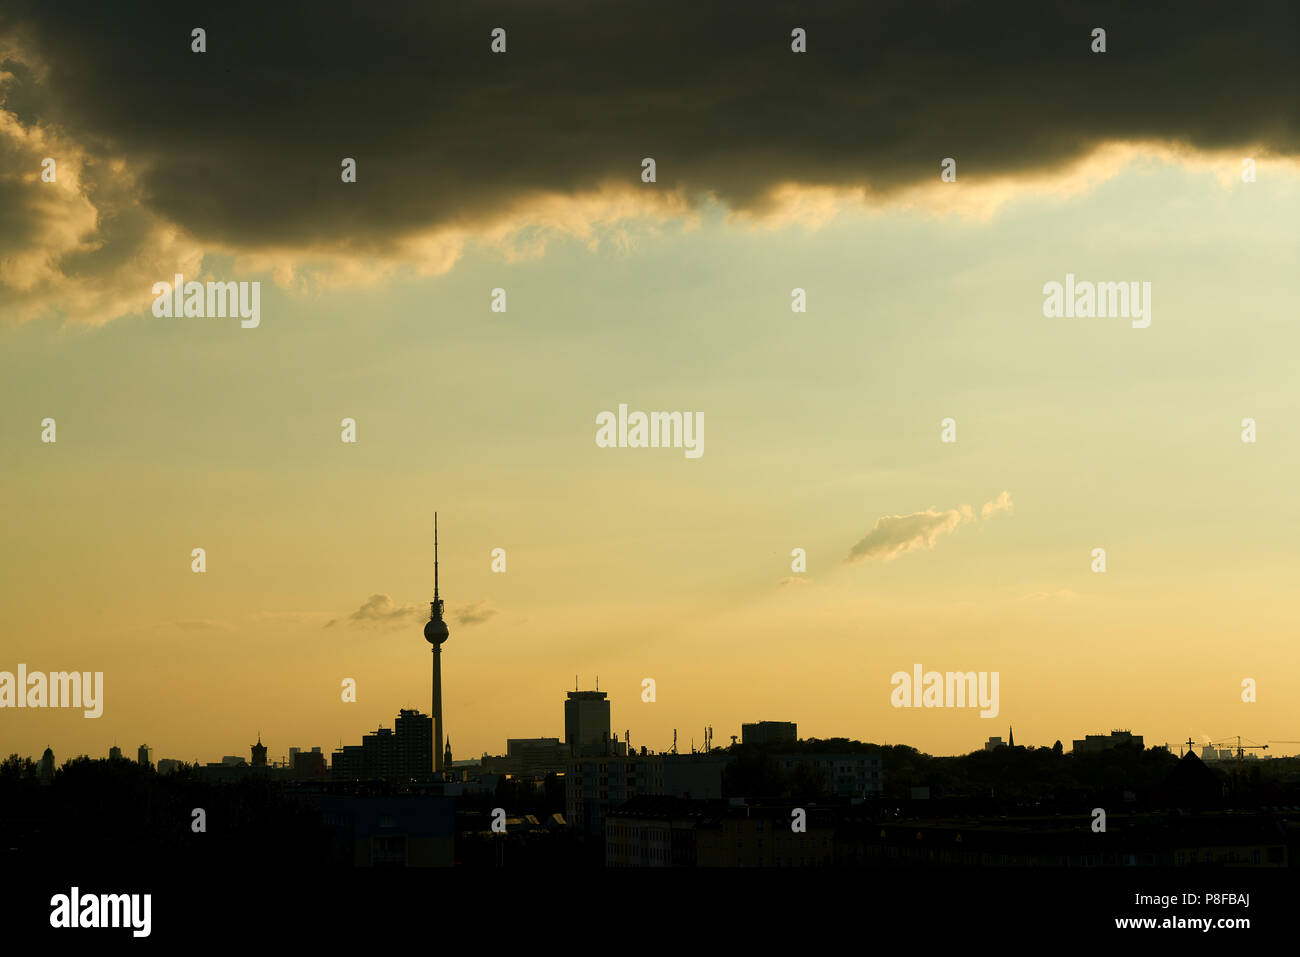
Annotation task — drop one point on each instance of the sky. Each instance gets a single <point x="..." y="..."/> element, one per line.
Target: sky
<point x="522" y="171"/>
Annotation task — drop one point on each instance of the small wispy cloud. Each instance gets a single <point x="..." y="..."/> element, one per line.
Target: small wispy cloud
<point x="1002" y="503"/>
<point x="379" y="610"/>
<point x="475" y="613"/>
<point x="894" y="534"/>
<point x="792" y="580"/>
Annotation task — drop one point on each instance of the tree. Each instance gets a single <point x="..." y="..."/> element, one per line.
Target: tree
<point x="15" y="768"/>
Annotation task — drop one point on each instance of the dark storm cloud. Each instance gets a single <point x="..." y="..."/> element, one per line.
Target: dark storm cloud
<point x="241" y="145"/>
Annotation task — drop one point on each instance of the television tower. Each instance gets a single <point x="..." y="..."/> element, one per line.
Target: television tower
<point x="435" y="633"/>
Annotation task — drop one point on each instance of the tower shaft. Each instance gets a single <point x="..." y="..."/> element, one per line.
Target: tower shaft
<point x="437" y="708"/>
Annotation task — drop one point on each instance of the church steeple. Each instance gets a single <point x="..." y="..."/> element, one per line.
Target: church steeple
<point x="1011" y="737"/>
<point x="446" y="757"/>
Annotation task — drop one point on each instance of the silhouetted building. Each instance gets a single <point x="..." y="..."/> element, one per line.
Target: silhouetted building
<point x="1192" y="785"/>
<point x="694" y="776"/>
<point x="1101" y="742"/>
<point x="399" y="754"/>
<point x="655" y="832"/>
<point x="673" y="832"/>
<point x="259" y="753"/>
<point x="529" y="756"/>
<point x="145" y="755"/>
<point x="586" y="723"/>
<point x="309" y="764"/>
<point x="45" y="771"/>
<point x="742" y="836"/>
<point x="660" y="832"/>
<point x="846" y="775"/>
<point x="390" y="831"/>
<point x="115" y="753"/>
<point x="994" y="742"/>
<point x="169" y="765"/>
<point x="595" y="785"/>
<point x="769" y="732"/>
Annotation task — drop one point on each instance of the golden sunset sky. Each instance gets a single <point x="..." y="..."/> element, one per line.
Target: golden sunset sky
<point x="925" y="301"/>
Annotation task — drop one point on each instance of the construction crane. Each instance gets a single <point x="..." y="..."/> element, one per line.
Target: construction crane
<point x="1241" y="748"/>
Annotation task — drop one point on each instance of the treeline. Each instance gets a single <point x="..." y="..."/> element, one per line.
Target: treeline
<point x="119" y="810"/>
<point x="1024" y="777"/>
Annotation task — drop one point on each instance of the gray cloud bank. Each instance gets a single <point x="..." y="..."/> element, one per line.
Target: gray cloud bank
<point x="240" y="147"/>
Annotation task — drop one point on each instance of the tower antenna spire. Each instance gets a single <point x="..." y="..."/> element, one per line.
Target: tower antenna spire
<point x="435" y="606"/>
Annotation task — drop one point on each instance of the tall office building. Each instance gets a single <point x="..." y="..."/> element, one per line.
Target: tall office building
<point x="145" y="755"/>
<point x="412" y="736"/>
<point x="400" y="753"/>
<point x="435" y="633"/>
<point x="115" y="753"/>
<point x="259" y="753"/>
<point x="586" y="723"/>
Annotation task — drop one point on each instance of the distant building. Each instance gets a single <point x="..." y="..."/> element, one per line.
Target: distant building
<point x="145" y="755"/>
<point x="586" y="723"/>
<point x="259" y="753"/>
<point x="1210" y="753"/>
<point x="169" y="765"/>
<point x="1101" y="742"/>
<point x="529" y="756"/>
<point x="309" y="764"/>
<point x="994" y="742"/>
<point x="231" y="761"/>
<point x="769" y="732"/>
<point x="847" y="775"/>
<point x="593" y="786"/>
<point x="45" y="771"/>
<point x="115" y="753"/>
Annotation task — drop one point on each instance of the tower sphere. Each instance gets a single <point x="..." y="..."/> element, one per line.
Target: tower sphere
<point x="435" y="631"/>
